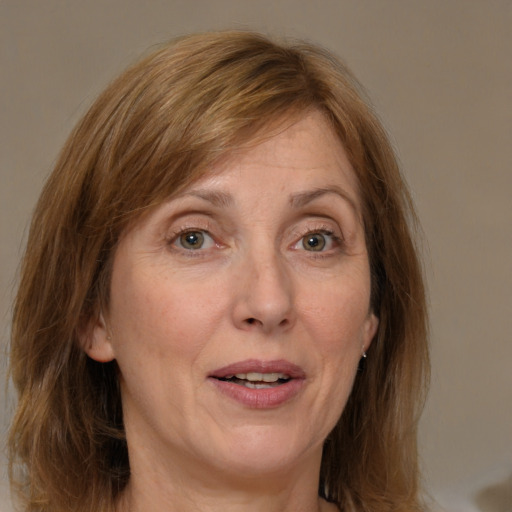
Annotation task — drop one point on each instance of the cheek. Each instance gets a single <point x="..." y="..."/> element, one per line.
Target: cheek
<point x="339" y="312"/>
<point x="337" y="319"/>
<point x="161" y="316"/>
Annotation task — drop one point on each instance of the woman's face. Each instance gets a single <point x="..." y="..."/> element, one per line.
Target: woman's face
<point x="240" y="309"/>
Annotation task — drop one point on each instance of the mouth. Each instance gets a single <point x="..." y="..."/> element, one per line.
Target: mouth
<point x="259" y="384"/>
<point x="255" y="380"/>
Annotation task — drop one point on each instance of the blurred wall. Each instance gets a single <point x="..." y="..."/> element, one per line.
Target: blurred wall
<point x="440" y="74"/>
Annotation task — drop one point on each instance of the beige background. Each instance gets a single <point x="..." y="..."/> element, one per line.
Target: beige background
<point x="440" y="74"/>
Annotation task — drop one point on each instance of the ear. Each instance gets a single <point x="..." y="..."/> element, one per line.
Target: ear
<point x="96" y="341"/>
<point x="369" y="330"/>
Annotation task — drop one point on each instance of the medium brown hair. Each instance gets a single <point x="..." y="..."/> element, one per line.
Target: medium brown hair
<point x="157" y="128"/>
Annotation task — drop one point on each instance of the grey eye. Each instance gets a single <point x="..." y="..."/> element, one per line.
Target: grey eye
<point x="314" y="242"/>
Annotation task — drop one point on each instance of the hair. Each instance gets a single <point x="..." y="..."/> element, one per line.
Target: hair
<point x="161" y="125"/>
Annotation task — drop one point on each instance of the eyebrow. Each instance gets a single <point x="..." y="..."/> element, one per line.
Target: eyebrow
<point x="298" y="200"/>
<point x="302" y="199"/>
<point x="219" y="199"/>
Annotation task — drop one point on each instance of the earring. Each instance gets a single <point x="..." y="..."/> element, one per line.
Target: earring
<point x="362" y="363"/>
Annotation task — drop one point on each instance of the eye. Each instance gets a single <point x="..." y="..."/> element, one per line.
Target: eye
<point x="314" y="242"/>
<point x="318" y="241"/>
<point x="194" y="240"/>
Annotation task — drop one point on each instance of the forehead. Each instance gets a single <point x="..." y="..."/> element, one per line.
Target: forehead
<point x="304" y="153"/>
<point x="298" y="153"/>
<point x="305" y="141"/>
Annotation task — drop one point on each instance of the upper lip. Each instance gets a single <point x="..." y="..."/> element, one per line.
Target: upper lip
<point x="257" y="366"/>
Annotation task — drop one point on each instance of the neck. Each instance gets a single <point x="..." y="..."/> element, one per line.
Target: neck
<point x="187" y="487"/>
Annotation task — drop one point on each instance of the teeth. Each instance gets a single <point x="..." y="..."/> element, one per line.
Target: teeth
<point x="257" y="385"/>
<point x="262" y="377"/>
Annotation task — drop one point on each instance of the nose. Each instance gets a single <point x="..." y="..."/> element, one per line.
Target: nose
<point x="265" y="296"/>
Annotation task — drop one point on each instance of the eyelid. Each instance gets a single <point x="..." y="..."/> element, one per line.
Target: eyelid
<point x="318" y="225"/>
<point x="336" y="241"/>
<point x="177" y="238"/>
<point x="330" y="229"/>
<point x="184" y="225"/>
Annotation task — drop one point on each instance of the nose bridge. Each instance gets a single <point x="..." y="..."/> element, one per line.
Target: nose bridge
<point x="266" y="290"/>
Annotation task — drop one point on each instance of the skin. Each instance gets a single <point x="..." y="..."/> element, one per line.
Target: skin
<point x="255" y="289"/>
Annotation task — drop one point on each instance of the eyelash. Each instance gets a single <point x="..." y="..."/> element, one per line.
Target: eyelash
<point x="325" y="231"/>
<point x="175" y="236"/>
<point x="299" y="238"/>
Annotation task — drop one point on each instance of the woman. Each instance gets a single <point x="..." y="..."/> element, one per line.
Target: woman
<point x="223" y="243"/>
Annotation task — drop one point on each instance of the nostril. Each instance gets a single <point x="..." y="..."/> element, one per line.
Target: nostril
<point x="253" y="322"/>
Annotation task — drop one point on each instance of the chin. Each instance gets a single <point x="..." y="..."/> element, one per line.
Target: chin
<point x="259" y="451"/>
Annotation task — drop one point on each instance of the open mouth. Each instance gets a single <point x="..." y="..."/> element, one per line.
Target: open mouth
<point x="254" y="380"/>
<point x="260" y="384"/>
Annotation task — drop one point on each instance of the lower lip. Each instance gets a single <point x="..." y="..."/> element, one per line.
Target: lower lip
<point x="265" y="398"/>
